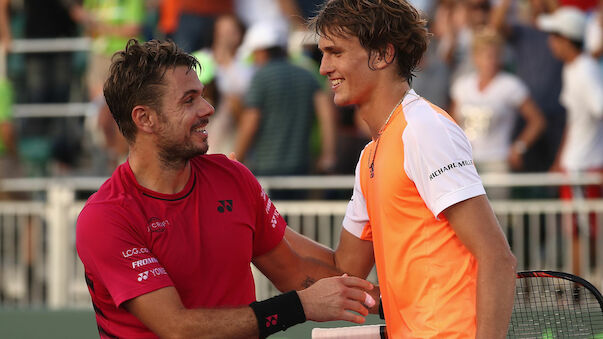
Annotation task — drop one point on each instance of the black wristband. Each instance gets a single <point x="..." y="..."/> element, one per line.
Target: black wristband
<point x="381" y="315"/>
<point x="278" y="313"/>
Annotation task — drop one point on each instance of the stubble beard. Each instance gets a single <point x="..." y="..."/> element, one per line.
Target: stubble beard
<point x="175" y="155"/>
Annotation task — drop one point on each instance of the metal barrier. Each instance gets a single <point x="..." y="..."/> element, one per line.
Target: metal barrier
<point x="39" y="264"/>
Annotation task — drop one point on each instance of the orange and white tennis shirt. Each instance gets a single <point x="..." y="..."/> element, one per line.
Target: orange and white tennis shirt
<point x="422" y="164"/>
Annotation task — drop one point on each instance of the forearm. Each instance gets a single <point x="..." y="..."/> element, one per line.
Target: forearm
<point x="248" y="126"/>
<point x="498" y="18"/>
<point x="306" y="247"/>
<point x="535" y="122"/>
<point x="495" y="294"/>
<point x="215" y="323"/>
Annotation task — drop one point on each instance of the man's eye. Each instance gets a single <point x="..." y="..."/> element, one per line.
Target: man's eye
<point x="189" y="100"/>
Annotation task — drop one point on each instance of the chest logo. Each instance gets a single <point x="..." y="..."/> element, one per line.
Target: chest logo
<point x="224" y="206"/>
<point x="157" y="225"/>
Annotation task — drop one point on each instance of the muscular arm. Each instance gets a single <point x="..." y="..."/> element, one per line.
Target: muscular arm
<point x="163" y="313"/>
<point x="353" y="256"/>
<point x="476" y="226"/>
<point x="329" y="299"/>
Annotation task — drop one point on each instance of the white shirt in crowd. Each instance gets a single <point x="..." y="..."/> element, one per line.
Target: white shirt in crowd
<point x="582" y="97"/>
<point x="488" y="116"/>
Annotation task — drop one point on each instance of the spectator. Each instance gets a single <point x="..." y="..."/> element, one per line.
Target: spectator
<point x="110" y="24"/>
<point x="222" y="67"/>
<point x="540" y="71"/>
<point x="433" y="78"/>
<point x="486" y="103"/>
<point x="581" y="94"/>
<point x="582" y="148"/>
<point x="274" y="131"/>
<point x="196" y="22"/>
<point x="593" y="39"/>
<point x="8" y="151"/>
<point x="281" y="12"/>
<point x="47" y="78"/>
<point x="462" y="18"/>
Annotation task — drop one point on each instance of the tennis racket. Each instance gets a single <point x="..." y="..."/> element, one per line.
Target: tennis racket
<point x="551" y="304"/>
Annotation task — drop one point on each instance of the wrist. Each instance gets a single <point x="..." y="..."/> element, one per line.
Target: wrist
<point x="520" y="146"/>
<point x="278" y="313"/>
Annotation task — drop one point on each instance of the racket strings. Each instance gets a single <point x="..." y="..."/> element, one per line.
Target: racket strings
<point x="554" y="308"/>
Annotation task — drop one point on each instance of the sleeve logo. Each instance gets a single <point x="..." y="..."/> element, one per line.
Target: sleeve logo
<point x="457" y="164"/>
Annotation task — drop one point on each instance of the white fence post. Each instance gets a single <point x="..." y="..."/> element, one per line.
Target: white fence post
<point x="59" y="199"/>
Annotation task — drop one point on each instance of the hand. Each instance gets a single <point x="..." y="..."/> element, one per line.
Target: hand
<point x="334" y="298"/>
<point x="326" y="163"/>
<point x="515" y="159"/>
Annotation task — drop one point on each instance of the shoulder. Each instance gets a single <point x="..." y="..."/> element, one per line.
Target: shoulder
<point x="462" y="83"/>
<point x="429" y="127"/>
<point x="509" y="78"/>
<point x="221" y="168"/>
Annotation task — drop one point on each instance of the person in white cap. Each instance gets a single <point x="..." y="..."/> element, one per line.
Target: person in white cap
<point x="280" y="106"/>
<point x="582" y="95"/>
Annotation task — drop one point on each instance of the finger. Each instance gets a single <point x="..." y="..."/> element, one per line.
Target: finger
<point x="357" y="294"/>
<point x="356" y="282"/>
<point x="368" y="300"/>
<point x="351" y="305"/>
<point x="352" y="317"/>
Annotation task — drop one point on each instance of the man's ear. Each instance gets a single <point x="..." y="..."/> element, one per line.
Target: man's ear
<point x="144" y="118"/>
<point x="384" y="57"/>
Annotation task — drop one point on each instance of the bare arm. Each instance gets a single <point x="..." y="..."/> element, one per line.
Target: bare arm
<point x="248" y="127"/>
<point x="498" y="19"/>
<point x="163" y="313"/>
<point x="7" y="135"/>
<point x="476" y="226"/>
<point x="535" y="124"/>
<point x="353" y="256"/>
<point x="289" y="271"/>
<point x="328" y="299"/>
<point x="326" y="119"/>
<point x="5" y="32"/>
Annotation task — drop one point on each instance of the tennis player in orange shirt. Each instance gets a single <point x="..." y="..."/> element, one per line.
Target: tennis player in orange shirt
<point x="419" y="209"/>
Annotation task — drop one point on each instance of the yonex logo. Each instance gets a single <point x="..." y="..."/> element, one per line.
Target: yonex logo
<point x="224" y="205"/>
<point x="272" y="320"/>
<point x="143" y="276"/>
<point x="157" y="271"/>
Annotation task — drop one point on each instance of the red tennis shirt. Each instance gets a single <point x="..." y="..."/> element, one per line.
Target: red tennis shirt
<point x="201" y="240"/>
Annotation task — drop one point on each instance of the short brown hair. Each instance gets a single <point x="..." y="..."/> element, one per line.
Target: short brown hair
<point x="136" y="78"/>
<point x="377" y="23"/>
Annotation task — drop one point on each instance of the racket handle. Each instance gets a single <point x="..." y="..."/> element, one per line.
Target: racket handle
<point x="352" y="332"/>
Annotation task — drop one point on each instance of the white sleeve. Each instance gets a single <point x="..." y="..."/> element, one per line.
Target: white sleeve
<point x="437" y="158"/>
<point x="356" y="215"/>
<point x="592" y="92"/>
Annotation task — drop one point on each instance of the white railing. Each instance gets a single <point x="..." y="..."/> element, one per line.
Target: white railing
<point x="39" y="264"/>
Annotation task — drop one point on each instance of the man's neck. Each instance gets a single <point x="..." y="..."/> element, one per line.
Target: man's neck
<point x="153" y="174"/>
<point x="384" y="99"/>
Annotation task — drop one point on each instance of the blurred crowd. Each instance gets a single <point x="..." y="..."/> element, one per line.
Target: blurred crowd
<point x="490" y="63"/>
